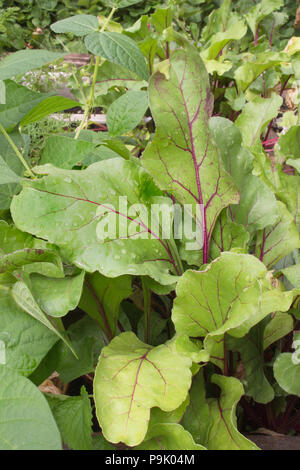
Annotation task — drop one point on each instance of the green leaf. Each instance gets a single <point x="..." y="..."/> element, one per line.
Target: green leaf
<point x="79" y="25"/>
<point x="212" y="421"/>
<point x="73" y="416"/>
<point x="6" y="174"/>
<point x="102" y="297"/>
<point x="287" y="372"/>
<point x="289" y="193"/>
<point x="275" y="242"/>
<point x="292" y="273"/>
<point x="120" y="50"/>
<point x="25" y="300"/>
<point x="221" y="39"/>
<point x="114" y="75"/>
<point x="7" y="154"/>
<point x="132" y="377"/>
<point x="26" y="422"/>
<point x="182" y="157"/>
<point x="50" y="105"/>
<point x="56" y="297"/>
<point x="74" y="209"/>
<point x="120" y="3"/>
<point x="21" y="62"/>
<point x="288" y="145"/>
<point x="259" y="11"/>
<point x="227" y="235"/>
<point x="252" y="355"/>
<point x="258" y="207"/>
<point x="66" y="152"/>
<point x="2" y="92"/>
<point x="20" y="100"/>
<point x="248" y="72"/>
<point x="126" y="112"/>
<point x="231" y="295"/>
<point x="169" y="436"/>
<point x="279" y="326"/>
<point x="26" y="340"/>
<point x="255" y="117"/>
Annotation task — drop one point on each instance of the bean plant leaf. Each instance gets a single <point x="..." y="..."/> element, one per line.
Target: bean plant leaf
<point x="25" y="300"/>
<point x="132" y="377"/>
<point x="113" y="75"/>
<point x="287" y="372"/>
<point x="203" y="308"/>
<point x="79" y="25"/>
<point x="119" y="49"/>
<point x="212" y="421"/>
<point x="2" y="92"/>
<point x="169" y="436"/>
<point x="73" y="416"/>
<point x="7" y="154"/>
<point x="26" y="422"/>
<point x="126" y="112"/>
<point x="182" y="157"/>
<point x="20" y="100"/>
<point x="77" y="210"/>
<point x="48" y="106"/>
<point x="120" y="3"/>
<point x="7" y="175"/>
<point x="275" y="242"/>
<point x="21" y="62"/>
<point x="26" y="340"/>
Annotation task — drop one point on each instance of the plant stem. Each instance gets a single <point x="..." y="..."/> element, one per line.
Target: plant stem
<point x="90" y="100"/>
<point x="147" y="309"/>
<point x="16" y="150"/>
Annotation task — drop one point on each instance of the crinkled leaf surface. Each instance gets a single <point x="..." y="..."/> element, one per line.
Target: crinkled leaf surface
<point x="120" y="50"/>
<point x="26" y="422"/>
<point x="132" y="377"/>
<point x="212" y="421"/>
<point x="68" y="207"/>
<point x="183" y="158"/>
<point x="79" y="25"/>
<point x="231" y="295"/>
<point x="287" y="372"/>
<point x="73" y="416"/>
